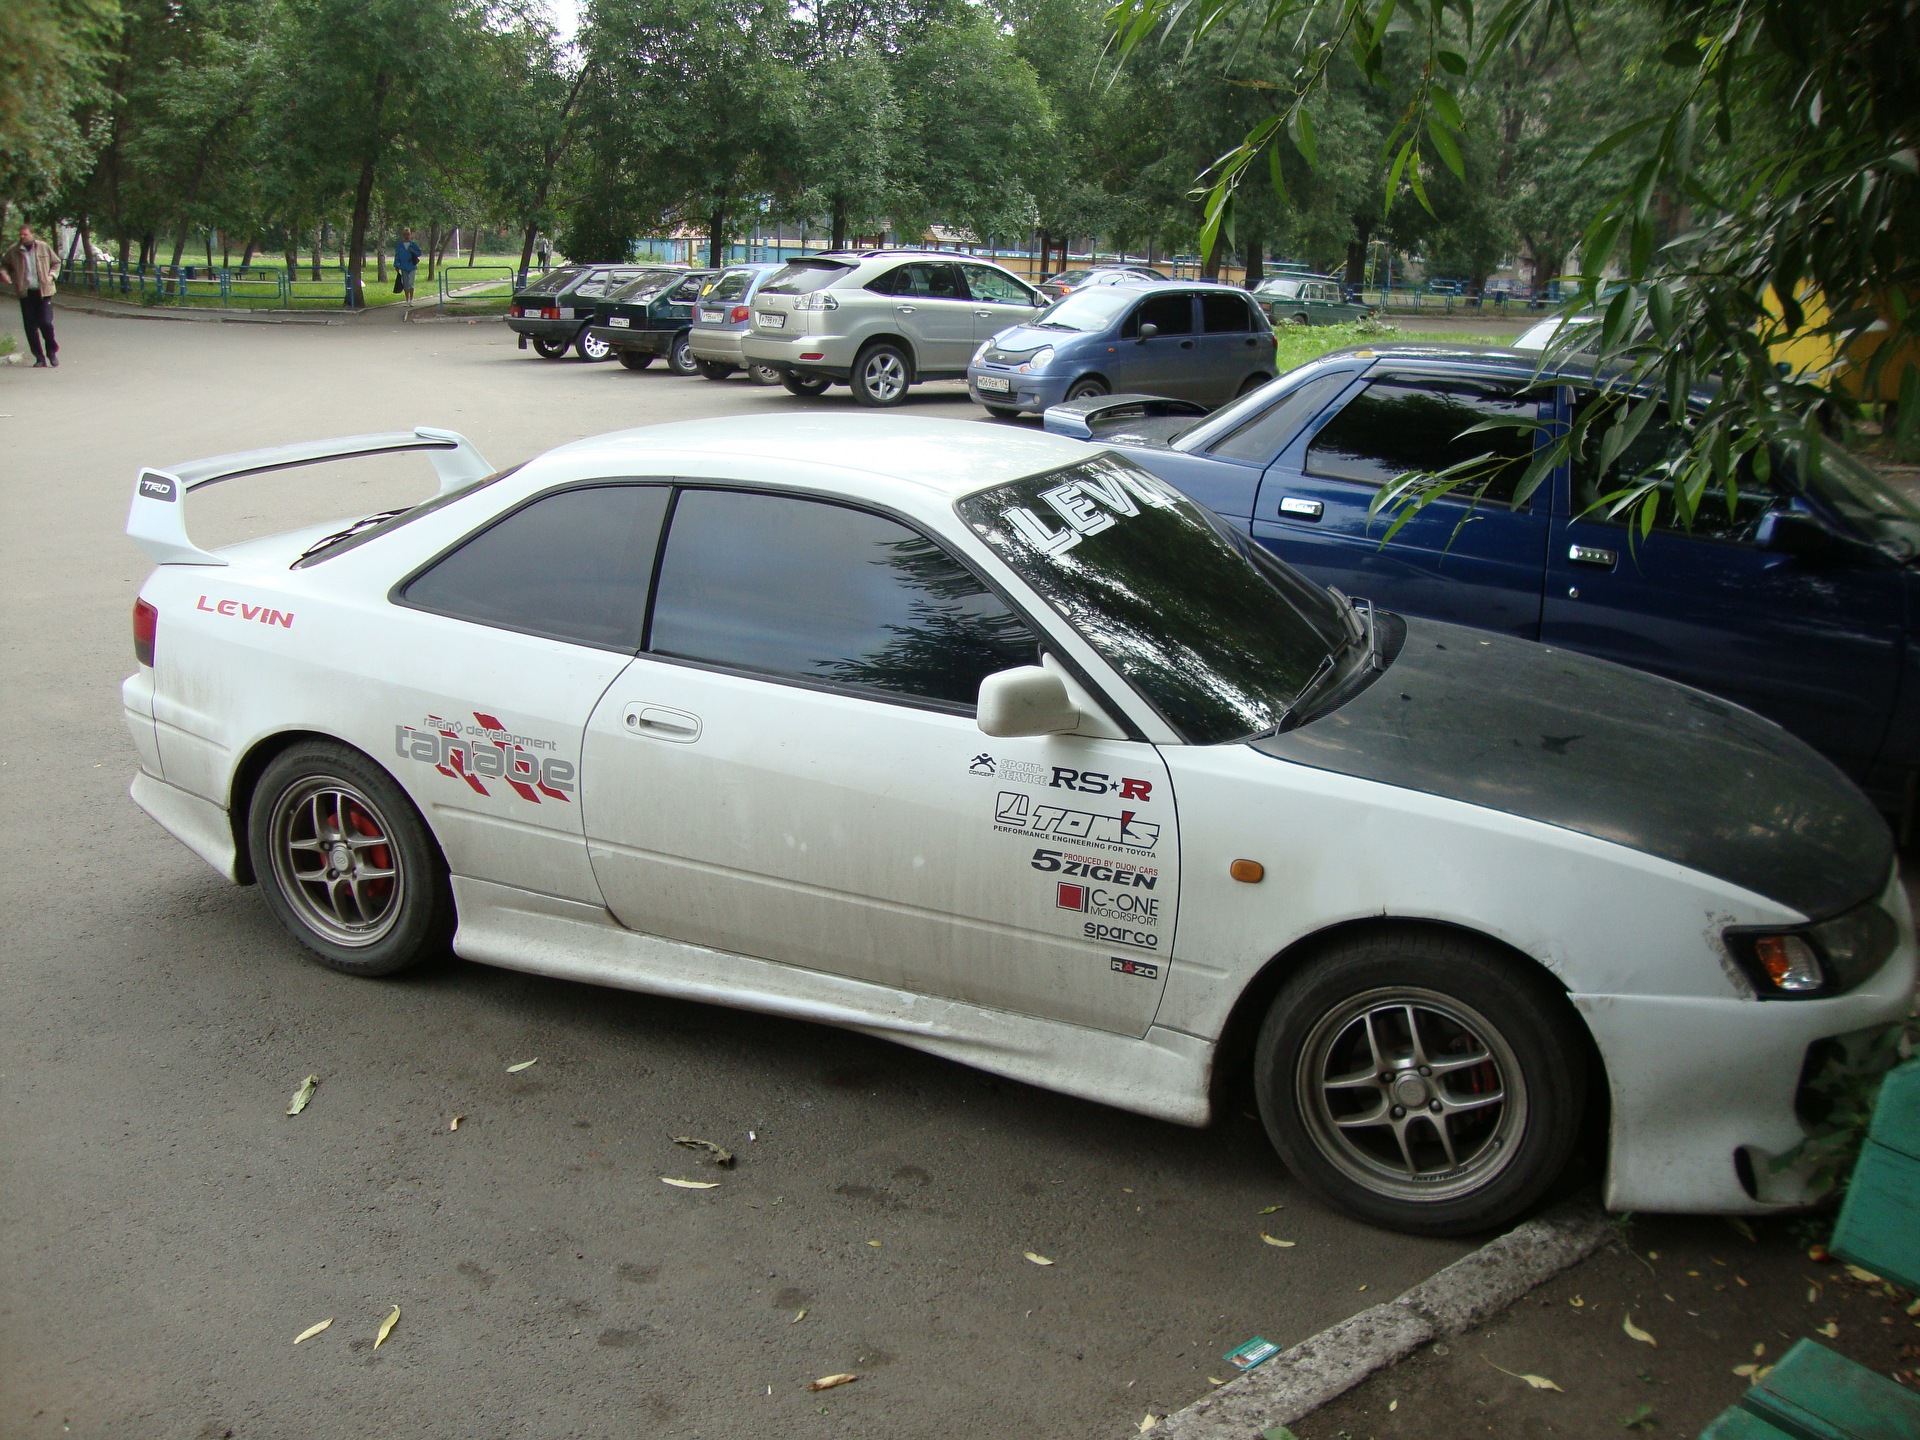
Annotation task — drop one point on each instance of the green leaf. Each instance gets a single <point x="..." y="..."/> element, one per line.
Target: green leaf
<point x="1451" y="61"/>
<point x="1449" y="151"/>
<point x="1447" y="107"/>
<point x="1393" y="175"/>
<point x="1273" y="169"/>
<point x="1419" y="187"/>
<point x="1303" y="137"/>
<point x="1683" y="53"/>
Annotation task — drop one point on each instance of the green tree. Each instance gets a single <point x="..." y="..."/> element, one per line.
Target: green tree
<point x="52" y="55"/>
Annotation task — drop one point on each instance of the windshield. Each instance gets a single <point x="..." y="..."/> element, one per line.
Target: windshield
<point x="1094" y="308"/>
<point x="554" y="281"/>
<point x="803" y="277"/>
<point x="1219" y="637"/>
<point x="1868" y="503"/>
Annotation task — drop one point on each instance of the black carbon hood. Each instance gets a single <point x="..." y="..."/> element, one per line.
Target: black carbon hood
<point x="1609" y="752"/>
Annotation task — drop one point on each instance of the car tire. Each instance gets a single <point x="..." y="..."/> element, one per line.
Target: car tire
<point x="1300" y="320"/>
<point x="592" y="350"/>
<point x="805" y="385"/>
<point x="1253" y="383"/>
<point x="550" y="349"/>
<point x="1087" y="388"/>
<point x="714" y="369"/>
<point x="1461" y="1030"/>
<point x="635" y="359"/>
<point x="680" y="356"/>
<point x="345" y="861"/>
<point x="1002" y="412"/>
<point x="882" y="374"/>
<point x="763" y="374"/>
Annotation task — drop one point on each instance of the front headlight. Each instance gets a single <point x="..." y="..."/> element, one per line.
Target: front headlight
<point x="1811" y="961"/>
<point x="981" y="353"/>
<point x="1039" y="360"/>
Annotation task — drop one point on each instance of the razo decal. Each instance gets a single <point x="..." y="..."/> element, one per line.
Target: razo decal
<point x="1021" y="815"/>
<point x="1145" y="970"/>
<point x="1088" y="505"/>
<point x="450" y="747"/>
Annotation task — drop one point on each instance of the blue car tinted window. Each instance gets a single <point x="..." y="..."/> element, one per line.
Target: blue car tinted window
<point x="1261" y="439"/>
<point x="1649" y="456"/>
<point x="1397" y="425"/>
<point x="824" y="592"/>
<point x="1173" y="314"/>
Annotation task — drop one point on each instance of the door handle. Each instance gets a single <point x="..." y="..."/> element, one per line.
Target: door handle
<point x="1186" y="344"/>
<point x="983" y="314"/>
<point x="661" y="723"/>
<point x="1305" y="509"/>
<point x="903" y="309"/>
<point x="1592" y="555"/>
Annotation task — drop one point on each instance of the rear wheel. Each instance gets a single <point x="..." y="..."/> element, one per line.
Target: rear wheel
<point x="1424" y="1082"/>
<point x="1087" y="388"/>
<point x="763" y="374"/>
<point x="881" y="375"/>
<point x="635" y="359"/>
<point x="548" y="348"/>
<point x="345" y="862"/>
<point x="592" y="348"/>
<point x="1300" y="320"/>
<point x="714" y="369"/>
<point x="680" y="356"/>
<point x="807" y="385"/>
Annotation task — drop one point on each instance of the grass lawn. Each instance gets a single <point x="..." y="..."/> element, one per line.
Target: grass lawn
<point x="1295" y="345"/>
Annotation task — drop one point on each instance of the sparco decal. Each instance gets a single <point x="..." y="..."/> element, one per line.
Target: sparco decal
<point x="1020" y="814"/>
<point x="1138" y="876"/>
<point x="1098" y="782"/>
<point x="236" y="610"/>
<point x="1145" y="969"/>
<point x="487" y="750"/>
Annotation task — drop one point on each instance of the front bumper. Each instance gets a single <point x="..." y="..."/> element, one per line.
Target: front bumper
<point x="649" y="342"/>
<point x="1030" y="393"/>
<point x="1703" y="1090"/>
<point x="828" y="355"/>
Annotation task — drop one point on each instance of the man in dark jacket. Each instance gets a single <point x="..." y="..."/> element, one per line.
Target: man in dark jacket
<point x="28" y="270"/>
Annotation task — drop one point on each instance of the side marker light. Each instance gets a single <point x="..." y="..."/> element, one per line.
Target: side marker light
<point x="1248" y="872"/>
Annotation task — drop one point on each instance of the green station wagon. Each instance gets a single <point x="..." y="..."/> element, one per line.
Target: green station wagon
<point x="1308" y="300"/>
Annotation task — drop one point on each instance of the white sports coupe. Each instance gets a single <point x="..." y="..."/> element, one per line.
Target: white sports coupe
<point x="995" y="745"/>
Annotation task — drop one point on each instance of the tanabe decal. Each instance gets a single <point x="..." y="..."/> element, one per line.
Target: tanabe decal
<point x="238" y="610"/>
<point x="485" y="750"/>
<point x="1013" y="772"/>
<point x="1098" y="782"/>
<point x="1089" y="505"/>
<point x="1020" y="814"/>
<point x="1146" y="970"/>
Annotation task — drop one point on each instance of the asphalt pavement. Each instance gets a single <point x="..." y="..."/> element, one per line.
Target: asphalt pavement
<point x="166" y="1229"/>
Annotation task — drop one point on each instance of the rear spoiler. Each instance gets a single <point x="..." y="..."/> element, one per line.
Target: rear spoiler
<point x="1076" y="418"/>
<point x="158" y="521"/>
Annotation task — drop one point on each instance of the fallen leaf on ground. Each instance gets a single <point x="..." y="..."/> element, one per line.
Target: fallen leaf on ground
<point x="828" y="1382"/>
<point x="1270" y="1210"/>
<point x="312" y="1330"/>
<point x="454" y="1124"/>
<point x="1283" y="1244"/>
<point x="1914" y="1308"/>
<point x="1215" y="1380"/>
<point x="1865" y="1277"/>
<point x="1392" y="1405"/>
<point x="1818" y="1254"/>
<point x="1640" y="1419"/>
<point x="386" y="1328"/>
<point x="1831" y="1329"/>
<point x="689" y="1184"/>
<point x="1538" y="1382"/>
<point x="1577" y="1303"/>
<point x="1813" y="1293"/>
<point x="1036" y="1259"/>
<point x="1745" y="1370"/>
<point x="798" y="1316"/>
<point x="1634" y="1332"/>
<point x="1743" y="1227"/>
<point x="874" y="1243"/>
<point x="721" y="1156"/>
<point x="523" y="1065"/>
<point x="1759" y="1348"/>
<point x="1148" y="1421"/>
<point x="303" y="1094"/>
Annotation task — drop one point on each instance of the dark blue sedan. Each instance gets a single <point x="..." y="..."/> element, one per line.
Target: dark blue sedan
<point x="1800" y="604"/>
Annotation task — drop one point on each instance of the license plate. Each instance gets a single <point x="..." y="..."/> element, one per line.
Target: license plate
<point x="566" y="312"/>
<point x="995" y="384"/>
<point x="709" y="317"/>
<point x="620" y="321"/>
<point x="770" y="322"/>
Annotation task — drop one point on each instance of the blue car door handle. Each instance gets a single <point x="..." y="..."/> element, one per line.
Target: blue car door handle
<point x="1592" y="555"/>
<point x="1303" y="509"/>
<point x="1186" y="344"/>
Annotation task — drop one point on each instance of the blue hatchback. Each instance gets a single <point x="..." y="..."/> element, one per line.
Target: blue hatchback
<point x="1190" y="340"/>
<point x="1802" y="604"/>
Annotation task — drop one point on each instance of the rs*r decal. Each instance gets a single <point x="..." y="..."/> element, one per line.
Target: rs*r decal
<point x="486" y="750"/>
<point x="240" y="610"/>
<point x="1019" y="814"/>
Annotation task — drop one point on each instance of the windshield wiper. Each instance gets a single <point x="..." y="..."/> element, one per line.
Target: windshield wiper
<point x="1359" y="632"/>
<point x="326" y="541"/>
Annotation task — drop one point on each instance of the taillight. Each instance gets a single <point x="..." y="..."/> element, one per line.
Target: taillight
<point x="146" y="624"/>
<point x="552" y="312"/>
<point x="738" y="313"/>
<point x="515" y="311"/>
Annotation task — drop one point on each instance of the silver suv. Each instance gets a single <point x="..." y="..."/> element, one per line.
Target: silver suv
<point x="881" y="320"/>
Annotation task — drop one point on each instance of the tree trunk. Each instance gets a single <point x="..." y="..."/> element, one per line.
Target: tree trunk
<point x="526" y="251"/>
<point x="1356" y="275"/>
<point x="1256" y="260"/>
<point x="293" y="250"/>
<point x="433" y="245"/>
<point x="147" y="243"/>
<point x="839" y="223"/>
<point x="253" y="243"/>
<point x="209" y="247"/>
<point x="473" y="247"/>
<point x="716" y="239"/>
<point x="380" y="253"/>
<point x="363" y="194"/>
<point x="319" y="246"/>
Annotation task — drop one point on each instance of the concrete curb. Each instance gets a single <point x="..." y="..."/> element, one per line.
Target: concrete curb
<point x="203" y="317"/>
<point x="1471" y="1290"/>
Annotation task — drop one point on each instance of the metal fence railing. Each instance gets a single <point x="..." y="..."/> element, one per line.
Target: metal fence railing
<point x="477" y="289"/>
<point x="250" y="287"/>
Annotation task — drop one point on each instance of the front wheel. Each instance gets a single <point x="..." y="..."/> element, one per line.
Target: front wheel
<point x="1423" y="1082"/>
<point x="881" y="375"/>
<point x="345" y="862"/>
<point x="680" y="357"/>
<point x="1088" y="388"/>
<point x="805" y="385"/>
<point x="548" y="348"/>
<point x="635" y="359"/>
<point x="714" y="369"/>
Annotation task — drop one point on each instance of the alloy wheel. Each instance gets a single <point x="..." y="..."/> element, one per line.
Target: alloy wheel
<point x="884" y="374"/>
<point x="593" y="348"/>
<point x="336" y="862"/>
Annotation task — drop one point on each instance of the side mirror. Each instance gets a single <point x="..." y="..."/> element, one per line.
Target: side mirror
<point x="1026" y="701"/>
<point x="1148" y="331"/>
<point x="1793" y="532"/>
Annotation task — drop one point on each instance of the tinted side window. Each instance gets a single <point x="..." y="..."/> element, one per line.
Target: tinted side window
<point x="823" y="592"/>
<point x="992" y="287"/>
<point x="1394" y="426"/>
<point x="1172" y="313"/>
<point x="1261" y="439"/>
<point x="1652" y="452"/>
<point x="593" y="287"/>
<point x="688" y="290"/>
<point x="572" y="565"/>
<point x="1224" y="314"/>
<point x="731" y="286"/>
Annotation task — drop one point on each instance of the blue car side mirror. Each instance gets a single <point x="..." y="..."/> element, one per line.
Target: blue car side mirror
<point x="1793" y="532"/>
<point x="1148" y="331"/>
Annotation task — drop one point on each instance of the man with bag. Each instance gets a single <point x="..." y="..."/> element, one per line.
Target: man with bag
<point x="28" y="270"/>
<point x="406" y="259"/>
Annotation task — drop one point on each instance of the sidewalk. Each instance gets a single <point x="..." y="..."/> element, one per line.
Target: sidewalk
<point x="423" y="311"/>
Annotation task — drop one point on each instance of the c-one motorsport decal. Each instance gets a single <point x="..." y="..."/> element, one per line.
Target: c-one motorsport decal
<point x="1088" y="504"/>
<point x="451" y="747"/>
<point x="1019" y="814"/>
<point x="1123" y="916"/>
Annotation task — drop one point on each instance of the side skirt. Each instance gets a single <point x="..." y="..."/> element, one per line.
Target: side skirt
<point x="1165" y="1075"/>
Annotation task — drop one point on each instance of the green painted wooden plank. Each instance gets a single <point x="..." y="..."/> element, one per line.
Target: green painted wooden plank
<point x="1814" y="1394"/>
<point x="1896" y="1112"/>
<point x="1738" y="1424"/>
<point x="1879" y="1227"/>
